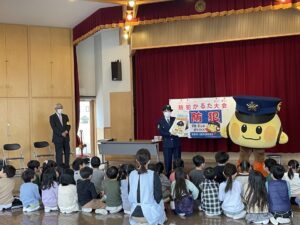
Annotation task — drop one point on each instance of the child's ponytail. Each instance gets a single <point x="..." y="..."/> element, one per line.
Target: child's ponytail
<point x="229" y="171"/>
<point x="143" y="158"/>
<point x="293" y="165"/>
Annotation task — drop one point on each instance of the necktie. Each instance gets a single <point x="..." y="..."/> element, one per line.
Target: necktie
<point x="60" y="119"/>
<point x="168" y="120"/>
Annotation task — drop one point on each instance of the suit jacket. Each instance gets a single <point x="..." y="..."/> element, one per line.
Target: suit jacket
<point x="59" y="128"/>
<point x="169" y="141"/>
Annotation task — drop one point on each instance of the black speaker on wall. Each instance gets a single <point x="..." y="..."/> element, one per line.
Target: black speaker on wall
<point x="116" y="70"/>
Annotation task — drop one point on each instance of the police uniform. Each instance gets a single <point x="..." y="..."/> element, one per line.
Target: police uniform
<point x="171" y="143"/>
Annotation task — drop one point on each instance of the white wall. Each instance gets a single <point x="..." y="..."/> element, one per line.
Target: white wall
<point x="86" y="67"/>
<point x="103" y="48"/>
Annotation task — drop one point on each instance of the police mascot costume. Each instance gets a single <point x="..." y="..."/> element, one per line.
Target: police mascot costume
<point x="255" y="126"/>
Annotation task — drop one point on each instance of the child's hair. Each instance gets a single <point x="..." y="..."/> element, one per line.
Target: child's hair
<point x="229" y="171"/>
<point x="293" y="165"/>
<point x="49" y="177"/>
<point x="68" y="171"/>
<point x="269" y="163"/>
<point x="159" y="168"/>
<point x="142" y="157"/>
<point x="77" y="163"/>
<point x="178" y="163"/>
<point x="28" y="175"/>
<point x="221" y="157"/>
<point x="198" y="160"/>
<point x="95" y="162"/>
<point x="151" y="166"/>
<point x="125" y="170"/>
<point x="86" y="161"/>
<point x="278" y="171"/>
<point x="245" y="166"/>
<point x="180" y="188"/>
<point x="209" y="173"/>
<point x="67" y="179"/>
<point x="86" y="172"/>
<point x="48" y="163"/>
<point x="9" y="170"/>
<point x="33" y="164"/>
<point x="257" y="193"/>
<point x="112" y="172"/>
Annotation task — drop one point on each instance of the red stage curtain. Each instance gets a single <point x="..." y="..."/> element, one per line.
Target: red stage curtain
<point x="103" y="16"/>
<point x="187" y="8"/>
<point x="265" y="67"/>
<point x="77" y="96"/>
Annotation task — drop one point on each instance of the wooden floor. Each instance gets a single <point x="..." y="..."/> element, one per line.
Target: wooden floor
<point x="17" y="217"/>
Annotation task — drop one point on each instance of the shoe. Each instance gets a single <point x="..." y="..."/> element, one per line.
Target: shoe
<point x="262" y="222"/>
<point x="127" y="212"/>
<point x="87" y="210"/>
<point x="200" y="208"/>
<point x="181" y="214"/>
<point x="265" y="221"/>
<point x="273" y="221"/>
<point x="283" y="220"/>
<point x="241" y="215"/>
<point x="101" y="211"/>
<point x="116" y="210"/>
<point x="229" y="215"/>
<point x="48" y="209"/>
<point x="31" y="208"/>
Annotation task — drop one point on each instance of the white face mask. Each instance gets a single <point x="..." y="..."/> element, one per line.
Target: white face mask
<point x="59" y="111"/>
<point x="167" y="114"/>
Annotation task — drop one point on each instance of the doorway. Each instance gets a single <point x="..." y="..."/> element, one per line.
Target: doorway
<point x="86" y="131"/>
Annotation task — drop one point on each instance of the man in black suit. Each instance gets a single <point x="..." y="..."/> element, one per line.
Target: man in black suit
<point x="171" y="143"/>
<point x="60" y="125"/>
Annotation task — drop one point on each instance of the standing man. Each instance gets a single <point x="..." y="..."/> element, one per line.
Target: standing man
<point x="171" y="143"/>
<point x="60" y="125"/>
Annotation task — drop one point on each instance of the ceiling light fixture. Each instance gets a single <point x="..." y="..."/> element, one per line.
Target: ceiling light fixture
<point x="126" y="35"/>
<point x="127" y="27"/>
<point x="129" y="15"/>
<point x="131" y="3"/>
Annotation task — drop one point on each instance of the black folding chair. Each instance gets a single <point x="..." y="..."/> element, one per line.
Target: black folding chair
<point x="13" y="153"/>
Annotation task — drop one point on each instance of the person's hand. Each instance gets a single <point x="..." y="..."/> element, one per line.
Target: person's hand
<point x="64" y="134"/>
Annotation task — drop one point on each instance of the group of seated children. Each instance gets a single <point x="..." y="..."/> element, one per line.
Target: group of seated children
<point x="237" y="192"/>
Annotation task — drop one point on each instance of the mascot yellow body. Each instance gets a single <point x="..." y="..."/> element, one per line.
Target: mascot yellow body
<point x="255" y="126"/>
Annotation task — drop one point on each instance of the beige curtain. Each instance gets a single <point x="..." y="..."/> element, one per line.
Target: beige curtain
<point x="217" y="29"/>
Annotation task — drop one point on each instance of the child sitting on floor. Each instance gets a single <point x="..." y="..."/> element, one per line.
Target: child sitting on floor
<point x="279" y="196"/>
<point x="293" y="178"/>
<point x="230" y="192"/>
<point x="67" y="194"/>
<point x="29" y="192"/>
<point x="165" y="183"/>
<point x="49" y="190"/>
<point x="221" y="159"/>
<point x="180" y="192"/>
<point x="87" y="195"/>
<point x="243" y="175"/>
<point x="210" y="203"/>
<point x="124" y="172"/>
<point x="112" y="191"/>
<point x="256" y="199"/>
<point x="7" y="185"/>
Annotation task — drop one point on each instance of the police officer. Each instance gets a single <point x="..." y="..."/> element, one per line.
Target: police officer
<point x="171" y="143"/>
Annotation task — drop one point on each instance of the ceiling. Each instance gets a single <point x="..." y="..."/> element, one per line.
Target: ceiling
<point x="54" y="13"/>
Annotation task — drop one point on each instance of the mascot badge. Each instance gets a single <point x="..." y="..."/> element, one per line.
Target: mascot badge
<point x="255" y="126"/>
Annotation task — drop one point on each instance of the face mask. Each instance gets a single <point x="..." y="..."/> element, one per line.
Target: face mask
<point x="59" y="111"/>
<point x="167" y="114"/>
